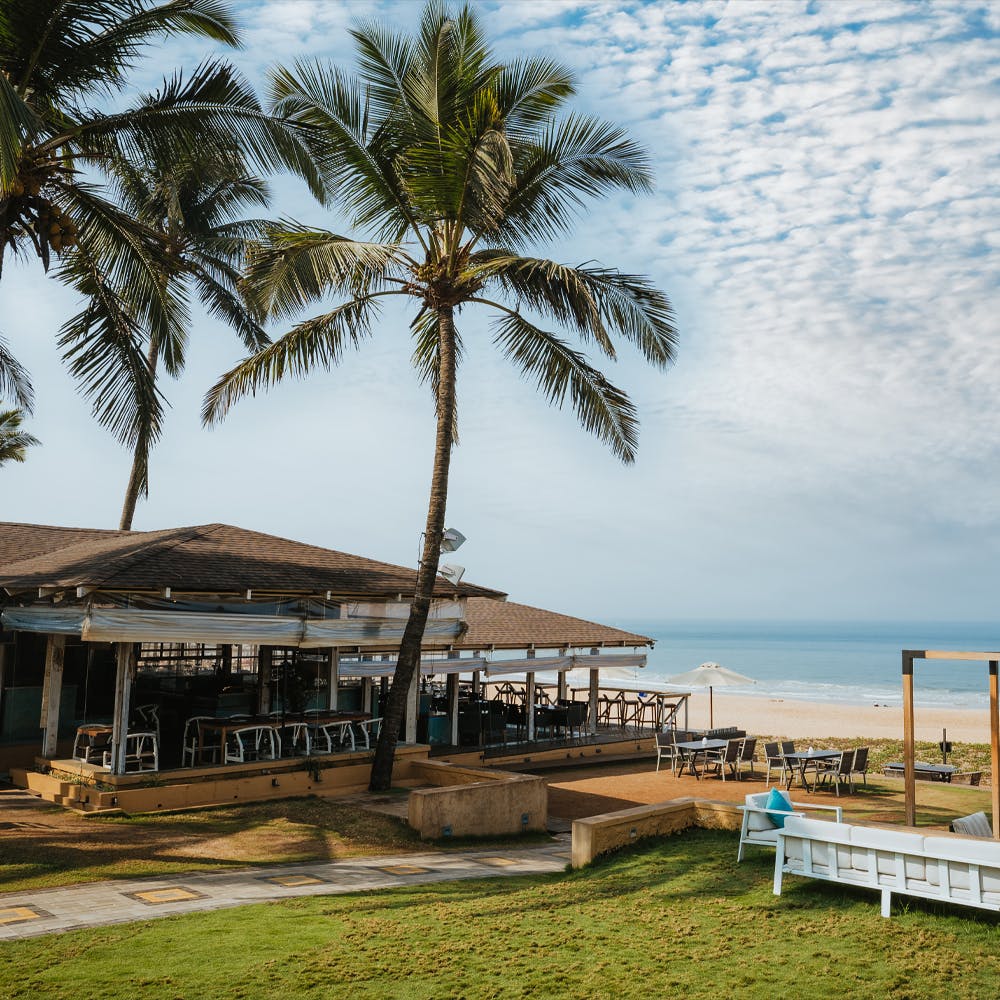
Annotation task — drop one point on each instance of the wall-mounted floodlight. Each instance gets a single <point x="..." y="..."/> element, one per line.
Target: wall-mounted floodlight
<point x="451" y="540"/>
<point x="452" y="574"/>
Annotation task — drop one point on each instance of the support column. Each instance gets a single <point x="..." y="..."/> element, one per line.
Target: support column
<point x="123" y="696"/>
<point x="366" y="696"/>
<point x="909" y="750"/>
<point x="561" y="682"/>
<point x="333" y="678"/>
<point x="412" y="707"/>
<point x="55" y="652"/>
<point x="265" y="663"/>
<point x="475" y="684"/>
<point x="995" y="747"/>
<point x="451" y="689"/>
<point x="529" y="703"/>
<point x="594" y="695"/>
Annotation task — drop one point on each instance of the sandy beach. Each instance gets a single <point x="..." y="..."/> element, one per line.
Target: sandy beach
<point x="806" y="719"/>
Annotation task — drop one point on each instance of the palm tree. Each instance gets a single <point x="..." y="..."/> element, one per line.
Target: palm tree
<point x="13" y="441"/>
<point x="194" y="207"/>
<point x="58" y="60"/>
<point x="450" y="164"/>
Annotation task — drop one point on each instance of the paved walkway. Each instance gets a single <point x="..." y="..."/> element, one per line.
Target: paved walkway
<point x="93" y="904"/>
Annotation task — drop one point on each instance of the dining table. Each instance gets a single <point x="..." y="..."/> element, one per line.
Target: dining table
<point x="801" y="759"/>
<point x="691" y="749"/>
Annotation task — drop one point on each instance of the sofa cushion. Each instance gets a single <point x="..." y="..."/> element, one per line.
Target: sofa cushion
<point x="777" y="799"/>
<point x="958" y="853"/>
<point x="886" y="844"/>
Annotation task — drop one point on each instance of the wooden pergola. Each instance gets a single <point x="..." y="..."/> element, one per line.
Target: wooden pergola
<point x="909" y="750"/>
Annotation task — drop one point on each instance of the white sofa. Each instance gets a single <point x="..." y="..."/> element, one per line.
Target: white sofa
<point x="757" y="827"/>
<point x="946" y="868"/>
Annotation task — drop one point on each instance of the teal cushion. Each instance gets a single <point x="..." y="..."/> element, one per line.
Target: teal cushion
<point x="777" y="800"/>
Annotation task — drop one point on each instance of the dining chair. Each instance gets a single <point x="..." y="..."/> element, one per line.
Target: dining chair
<point x="775" y="759"/>
<point x="860" y="765"/>
<point x="837" y="770"/>
<point x="748" y="754"/>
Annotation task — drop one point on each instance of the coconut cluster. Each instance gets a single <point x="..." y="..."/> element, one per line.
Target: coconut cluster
<point x="30" y="211"/>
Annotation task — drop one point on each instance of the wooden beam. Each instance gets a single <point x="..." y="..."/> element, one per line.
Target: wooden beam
<point x="265" y="664"/>
<point x="995" y="746"/>
<point x="909" y="751"/>
<point x="55" y="652"/>
<point x="944" y="654"/>
<point x="123" y="697"/>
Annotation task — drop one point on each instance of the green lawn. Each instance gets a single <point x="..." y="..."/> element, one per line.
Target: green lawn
<point x="678" y="918"/>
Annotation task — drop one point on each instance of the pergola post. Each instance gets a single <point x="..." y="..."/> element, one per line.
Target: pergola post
<point x="995" y="747"/>
<point x="55" y="651"/>
<point x="909" y="750"/>
<point x="123" y="696"/>
<point x="593" y="696"/>
<point x="333" y="677"/>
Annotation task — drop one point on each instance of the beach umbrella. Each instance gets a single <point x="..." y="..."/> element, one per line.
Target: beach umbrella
<point x="711" y="675"/>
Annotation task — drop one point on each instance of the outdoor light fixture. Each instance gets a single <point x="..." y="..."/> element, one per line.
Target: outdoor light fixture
<point x="452" y="574"/>
<point x="451" y="540"/>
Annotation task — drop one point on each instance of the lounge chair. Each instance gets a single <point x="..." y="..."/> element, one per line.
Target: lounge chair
<point x="976" y="825"/>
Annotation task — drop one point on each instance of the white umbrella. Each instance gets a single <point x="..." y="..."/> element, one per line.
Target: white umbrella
<point x="711" y="675"/>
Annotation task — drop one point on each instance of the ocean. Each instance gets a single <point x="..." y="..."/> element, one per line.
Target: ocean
<point x="855" y="662"/>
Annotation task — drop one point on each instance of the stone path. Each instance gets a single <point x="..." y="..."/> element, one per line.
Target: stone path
<point x="93" y="904"/>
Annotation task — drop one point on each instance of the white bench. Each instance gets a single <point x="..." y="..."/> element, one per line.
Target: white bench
<point x="943" y="867"/>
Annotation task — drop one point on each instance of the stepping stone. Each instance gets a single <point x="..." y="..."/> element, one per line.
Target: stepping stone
<point x="294" y="881"/>
<point x="171" y="894"/>
<point x="405" y="870"/>
<point x="21" y="914"/>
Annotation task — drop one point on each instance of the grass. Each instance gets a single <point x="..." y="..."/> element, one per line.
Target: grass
<point x="678" y="917"/>
<point x="67" y="849"/>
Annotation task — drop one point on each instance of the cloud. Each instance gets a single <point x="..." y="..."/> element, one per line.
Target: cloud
<point x="826" y="222"/>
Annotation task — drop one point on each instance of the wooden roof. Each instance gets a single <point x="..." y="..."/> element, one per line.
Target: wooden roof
<point x="209" y="558"/>
<point x="506" y="625"/>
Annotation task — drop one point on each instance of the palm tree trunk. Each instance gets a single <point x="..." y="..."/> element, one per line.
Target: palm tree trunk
<point x="138" y="478"/>
<point x="409" y="650"/>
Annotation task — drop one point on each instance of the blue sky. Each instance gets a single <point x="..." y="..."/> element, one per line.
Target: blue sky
<point x="826" y="223"/>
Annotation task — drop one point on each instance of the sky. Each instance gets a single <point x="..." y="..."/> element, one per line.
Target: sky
<point x="826" y="222"/>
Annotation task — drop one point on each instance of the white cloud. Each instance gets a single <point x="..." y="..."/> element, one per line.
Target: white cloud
<point x="825" y="221"/>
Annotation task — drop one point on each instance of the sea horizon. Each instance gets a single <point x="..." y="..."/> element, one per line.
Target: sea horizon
<point x="837" y="660"/>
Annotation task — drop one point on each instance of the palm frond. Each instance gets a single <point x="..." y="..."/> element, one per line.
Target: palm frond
<point x="319" y="342"/>
<point x="528" y="92"/>
<point x="595" y="301"/>
<point x="15" y="383"/>
<point x="355" y="163"/>
<point x="602" y="409"/>
<point x="576" y="159"/>
<point x="102" y="346"/>
<point x="18" y="126"/>
<point x="14" y="442"/>
<point x="296" y="265"/>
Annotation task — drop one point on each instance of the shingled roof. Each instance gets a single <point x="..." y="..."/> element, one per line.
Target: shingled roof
<point x="506" y="625"/>
<point x="209" y="558"/>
